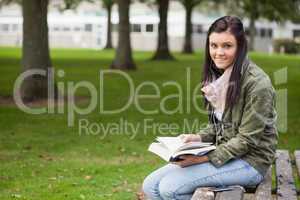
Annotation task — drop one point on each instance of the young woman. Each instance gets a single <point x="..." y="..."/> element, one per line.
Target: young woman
<point x="240" y="99"/>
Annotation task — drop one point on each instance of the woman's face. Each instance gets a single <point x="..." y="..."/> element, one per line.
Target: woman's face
<point x="222" y="49"/>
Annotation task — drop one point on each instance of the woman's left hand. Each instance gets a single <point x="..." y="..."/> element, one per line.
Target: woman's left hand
<point x="189" y="160"/>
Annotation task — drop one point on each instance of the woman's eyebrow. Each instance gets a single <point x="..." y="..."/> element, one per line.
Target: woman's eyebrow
<point x="228" y="42"/>
<point x="221" y="43"/>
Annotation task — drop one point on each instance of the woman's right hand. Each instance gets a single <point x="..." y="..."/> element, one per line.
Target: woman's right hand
<point x="190" y="138"/>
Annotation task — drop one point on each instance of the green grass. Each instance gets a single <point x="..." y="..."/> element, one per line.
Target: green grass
<point x="42" y="158"/>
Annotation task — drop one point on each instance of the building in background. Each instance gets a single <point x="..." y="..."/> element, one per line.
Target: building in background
<point x="85" y="27"/>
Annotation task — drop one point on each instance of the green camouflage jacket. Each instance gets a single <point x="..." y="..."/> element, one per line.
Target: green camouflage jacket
<point x="248" y="130"/>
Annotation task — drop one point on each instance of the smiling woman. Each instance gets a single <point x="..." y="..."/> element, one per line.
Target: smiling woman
<point x="240" y="99"/>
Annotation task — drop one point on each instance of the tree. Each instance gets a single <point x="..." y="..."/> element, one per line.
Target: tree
<point x="35" y="49"/>
<point x="280" y="10"/>
<point x="162" y="50"/>
<point x="188" y="6"/>
<point x="108" y="6"/>
<point x="72" y="4"/>
<point x="6" y="2"/>
<point x="123" y="58"/>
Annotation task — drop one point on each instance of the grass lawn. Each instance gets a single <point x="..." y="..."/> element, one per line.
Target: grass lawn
<point x="43" y="158"/>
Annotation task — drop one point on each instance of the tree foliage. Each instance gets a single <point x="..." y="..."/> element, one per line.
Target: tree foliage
<point x="273" y="10"/>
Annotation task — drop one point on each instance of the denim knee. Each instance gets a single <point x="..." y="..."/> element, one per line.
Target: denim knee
<point x="168" y="188"/>
<point x="150" y="187"/>
<point x="166" y="192"/>
<point x="255" y="180"/>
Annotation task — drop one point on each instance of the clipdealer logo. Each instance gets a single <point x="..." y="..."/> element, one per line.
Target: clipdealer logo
<point x="187" y="98"/>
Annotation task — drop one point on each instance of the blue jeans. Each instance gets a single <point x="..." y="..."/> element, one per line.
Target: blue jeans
<point x="176" y="183"/>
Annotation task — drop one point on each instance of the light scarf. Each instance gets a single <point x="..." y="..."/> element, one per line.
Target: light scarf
<point x="215" y="92"/>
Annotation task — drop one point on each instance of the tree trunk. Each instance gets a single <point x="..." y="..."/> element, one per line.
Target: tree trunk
<point x="108" y="33"/>
<point x="188" y="48"/>
<point x="35" y="51"/>
<point x="162" y="51"/>
<point x="252" y="32"/>
<point x="123" y="58"/>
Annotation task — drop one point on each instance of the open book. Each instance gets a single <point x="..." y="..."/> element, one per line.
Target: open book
<point x="171" y="148"/>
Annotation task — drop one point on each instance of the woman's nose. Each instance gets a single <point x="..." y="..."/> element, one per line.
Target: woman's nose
<point x="220" y="51"/>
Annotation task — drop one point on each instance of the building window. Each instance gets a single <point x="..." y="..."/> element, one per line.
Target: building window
<point x="4" y="27"/>
<point x="262" y="32"/>
<point x="136" y="28"/>
<point x="88" y="27"/>
<point x="56" y="28"/>
<point x="266" y="32"/>
<point x="149" y="28"/>
<point x="197" y="28"/>
<point x="296" y="33"/>
<point x="270" y="33"/>
<point x="15" y="27"/>
<point x="77" y="28"/>
<point x="66" y="28"/>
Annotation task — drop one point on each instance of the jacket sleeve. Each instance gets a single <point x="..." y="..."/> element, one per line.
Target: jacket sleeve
<point x="208" y="134"/>
<point x="257" y="113"/>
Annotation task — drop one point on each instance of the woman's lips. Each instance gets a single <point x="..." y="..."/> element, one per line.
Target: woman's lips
<point x="220" y="60"/>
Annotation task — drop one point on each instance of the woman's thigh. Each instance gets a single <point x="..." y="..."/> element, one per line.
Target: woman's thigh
<point x="183" y="181"/>
<point x="155" y="177"/>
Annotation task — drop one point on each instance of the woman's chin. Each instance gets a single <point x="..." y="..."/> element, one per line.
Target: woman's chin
<point x="222" y="66"/>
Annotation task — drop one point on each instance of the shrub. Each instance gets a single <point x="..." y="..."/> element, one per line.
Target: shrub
<point x="287" y="46"/>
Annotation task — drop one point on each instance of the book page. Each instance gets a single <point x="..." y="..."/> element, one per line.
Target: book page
<point x="160" y="150"/>
<point x="172" y="143"/>
<point x="175" y="144"/>
<point x="199" y="151"/>
<point x="193" y="145"/>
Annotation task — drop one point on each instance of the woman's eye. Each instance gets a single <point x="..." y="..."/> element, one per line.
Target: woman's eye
<point x="213" y="45"/>
<point x="227" y="46"/>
